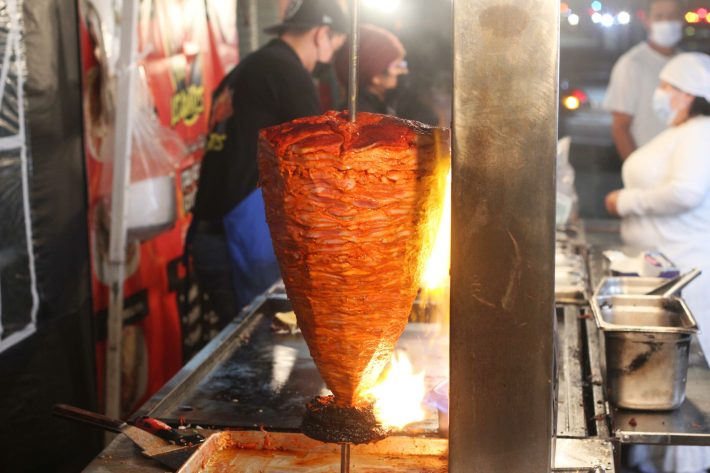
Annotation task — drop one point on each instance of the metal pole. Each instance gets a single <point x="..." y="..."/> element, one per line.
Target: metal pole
<point x="253" y="15"/>
<point x="354" y="46"/>
<point x="126" y="75"/>
<point x="345" y="458"/>
<point x="503" y="210"/>
<point x="352" y="107"/>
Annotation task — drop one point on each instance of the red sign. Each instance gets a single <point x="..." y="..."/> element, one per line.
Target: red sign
<point x="186" y="49"/>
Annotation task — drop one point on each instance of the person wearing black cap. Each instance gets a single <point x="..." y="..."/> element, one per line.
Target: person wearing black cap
<point x="229" y="239"/>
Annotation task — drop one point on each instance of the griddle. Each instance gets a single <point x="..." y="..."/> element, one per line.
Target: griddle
<point x="251" y="377"/>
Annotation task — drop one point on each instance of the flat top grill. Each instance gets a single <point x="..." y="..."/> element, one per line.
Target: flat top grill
<point x="266" y="380"/>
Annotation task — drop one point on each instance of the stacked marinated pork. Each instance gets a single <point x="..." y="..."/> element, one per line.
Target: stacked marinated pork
<point x="352" y="209"/>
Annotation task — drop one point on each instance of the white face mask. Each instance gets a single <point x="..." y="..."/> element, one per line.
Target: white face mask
<point x="662" y="106"/>
<point x="666" y="33"/>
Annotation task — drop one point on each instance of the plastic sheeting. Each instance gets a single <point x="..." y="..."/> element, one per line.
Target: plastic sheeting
<point x="18" y="288"/>
<point x="47" y="342"/>
<point x="184" y="51"/>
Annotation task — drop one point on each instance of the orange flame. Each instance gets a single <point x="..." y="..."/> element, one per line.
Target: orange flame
<point x="398" y="396"/>
<point x="436" y="274"/>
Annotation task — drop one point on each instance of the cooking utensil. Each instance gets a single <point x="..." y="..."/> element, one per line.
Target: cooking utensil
<point x="156" y="439"/>
<point x="165" y="432"/>
<point x="673" y="286"/>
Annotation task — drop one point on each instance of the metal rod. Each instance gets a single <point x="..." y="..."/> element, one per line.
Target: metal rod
<point x="253" y="18"/>
<point x="344" y="458"/>
<point x="354" y="46"/>
<point x="126" y="76"/>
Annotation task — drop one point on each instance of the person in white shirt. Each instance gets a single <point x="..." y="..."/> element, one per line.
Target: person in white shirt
<point x="635" y="77"/>
<point x="665" y="202"/>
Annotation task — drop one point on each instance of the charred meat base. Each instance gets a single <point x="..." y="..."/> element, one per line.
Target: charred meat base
<point x="328" y="422"/>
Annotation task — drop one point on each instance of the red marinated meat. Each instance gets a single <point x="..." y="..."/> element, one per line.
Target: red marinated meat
<point x="352" y="209"/>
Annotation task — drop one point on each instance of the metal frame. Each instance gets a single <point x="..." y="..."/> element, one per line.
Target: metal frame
<point x="502" y="274"/>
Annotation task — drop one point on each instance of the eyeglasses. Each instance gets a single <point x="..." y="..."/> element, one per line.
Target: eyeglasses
<point x="399" y="65"/>
<point x="397" y="68"/>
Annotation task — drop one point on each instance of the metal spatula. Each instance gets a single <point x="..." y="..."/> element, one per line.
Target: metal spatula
<point x="673" y="286"/>
<point x="172" y="455"/>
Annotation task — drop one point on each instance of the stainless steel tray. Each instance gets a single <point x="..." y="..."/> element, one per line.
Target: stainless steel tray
<point x="614" y="286"/>
<point x="571" y="273"/>
<point x="647" y="343"/>
<point x="643" y="314"/>
<point x="256" y="452"/>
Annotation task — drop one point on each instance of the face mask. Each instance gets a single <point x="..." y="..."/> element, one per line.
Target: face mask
<point x="662" y="106"/>
<point x="666" y="33"/>
<point x="321" y="70"/>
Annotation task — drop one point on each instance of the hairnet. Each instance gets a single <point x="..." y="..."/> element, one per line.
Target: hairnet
<point x="689" y="72"/>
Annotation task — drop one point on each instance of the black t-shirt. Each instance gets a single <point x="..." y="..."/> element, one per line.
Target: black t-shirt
<point x="268" y="87"/>
<point x="369" y="102"/>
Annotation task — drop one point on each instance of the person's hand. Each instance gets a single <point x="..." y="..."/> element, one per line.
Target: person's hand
<point x="611" y="202"/>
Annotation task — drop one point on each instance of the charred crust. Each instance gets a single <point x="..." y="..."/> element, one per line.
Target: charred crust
<point x="328" y="422"/>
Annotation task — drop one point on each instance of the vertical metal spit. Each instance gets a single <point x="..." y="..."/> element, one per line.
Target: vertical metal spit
<point x="352" y="107"/>
<point x="354" y="46"/>
<point x="503" y="209"/>
<point x="345" y="458"/>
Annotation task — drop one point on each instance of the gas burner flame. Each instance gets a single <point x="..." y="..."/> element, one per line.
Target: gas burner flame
<point x="399" y="395"/>
<point x="436" y="273"/>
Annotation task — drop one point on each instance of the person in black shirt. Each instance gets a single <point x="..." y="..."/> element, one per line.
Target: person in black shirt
<point x="229" y="238"/>
<point x="381" y="63"/>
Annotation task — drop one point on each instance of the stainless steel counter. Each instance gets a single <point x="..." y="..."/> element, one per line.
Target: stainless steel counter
<point x="687" y="425"/>
<point x="252" y="376"/>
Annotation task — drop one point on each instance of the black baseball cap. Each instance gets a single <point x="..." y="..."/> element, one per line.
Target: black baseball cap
<point x="307" y="14"/>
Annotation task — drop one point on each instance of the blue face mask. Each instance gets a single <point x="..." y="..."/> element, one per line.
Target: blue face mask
<point x="662" y="106"/>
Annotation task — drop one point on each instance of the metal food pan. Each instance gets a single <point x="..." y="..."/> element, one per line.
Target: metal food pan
<point x="569" y="259"/>
<point x="620" y="285"/>
<point x="647" y="314"/>
<point x="256" y="452"/>
<point x="571" y="283"/>
<point x="647" y="342"/>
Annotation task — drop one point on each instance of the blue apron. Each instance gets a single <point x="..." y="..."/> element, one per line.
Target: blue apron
<point x="254" y="265"/>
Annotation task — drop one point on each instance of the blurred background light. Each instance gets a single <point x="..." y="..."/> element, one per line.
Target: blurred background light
<point x="607" y="20"/>
<point x="692" y="17"/>
<point x="573" y="19"/>
<point x="624" y="18"/>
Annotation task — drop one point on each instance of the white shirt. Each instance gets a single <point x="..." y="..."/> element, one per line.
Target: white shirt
<point x="666" y="195"/>
<point x="665" y="204"/>
<point x="633" y="80"/>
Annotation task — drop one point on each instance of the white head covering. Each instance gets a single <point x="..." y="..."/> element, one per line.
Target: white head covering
<point x="689" y="72"/>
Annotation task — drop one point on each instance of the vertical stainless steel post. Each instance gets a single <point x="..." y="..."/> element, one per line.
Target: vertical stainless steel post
<point x="354" y="47"/>
<point x="503" y="208"/>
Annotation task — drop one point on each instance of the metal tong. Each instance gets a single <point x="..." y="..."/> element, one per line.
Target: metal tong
<point x="673" y="286"/>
